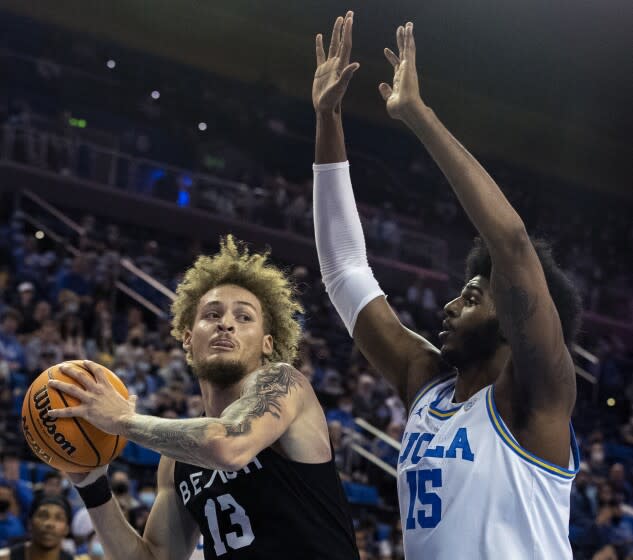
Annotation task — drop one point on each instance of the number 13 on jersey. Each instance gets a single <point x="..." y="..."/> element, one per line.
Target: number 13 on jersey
<point x="419" y="481"/>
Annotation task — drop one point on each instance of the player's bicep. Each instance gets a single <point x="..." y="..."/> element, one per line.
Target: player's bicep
<point x="270" y="403"/>
<point x="171" y="531"/>
<point x="543" y="371"/>
<point x="395" y="351"/>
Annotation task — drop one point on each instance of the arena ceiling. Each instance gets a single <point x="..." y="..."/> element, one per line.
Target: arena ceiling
<point x="544" y="83"/>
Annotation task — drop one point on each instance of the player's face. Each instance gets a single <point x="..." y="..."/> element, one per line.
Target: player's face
<point x="228" y="339"/>
<point x="49" y="526"/>
<point x="470" y="331"/>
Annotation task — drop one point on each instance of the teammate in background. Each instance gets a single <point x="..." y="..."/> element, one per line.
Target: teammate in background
<point x="488" y="456"/>
<point x="255" y="476"/>
<point x="49" y="522"/>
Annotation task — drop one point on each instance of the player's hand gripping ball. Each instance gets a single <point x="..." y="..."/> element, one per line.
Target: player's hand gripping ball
<point x="69" y="444"/>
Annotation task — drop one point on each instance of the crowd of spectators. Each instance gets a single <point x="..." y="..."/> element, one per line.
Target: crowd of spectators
<point x="55" y="306"/>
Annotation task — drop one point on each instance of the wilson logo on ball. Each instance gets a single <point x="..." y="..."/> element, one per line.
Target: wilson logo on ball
<point x="43" y="405"/>
<point x="34" y="446"/>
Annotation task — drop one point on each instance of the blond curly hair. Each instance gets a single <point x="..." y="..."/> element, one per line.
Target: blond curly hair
<point x="234" y="264"/>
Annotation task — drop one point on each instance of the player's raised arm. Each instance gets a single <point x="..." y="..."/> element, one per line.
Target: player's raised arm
<point x="404" y="358"/>
<point x="542" y="374"/>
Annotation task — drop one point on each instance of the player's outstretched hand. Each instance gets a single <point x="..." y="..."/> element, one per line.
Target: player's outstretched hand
<point x="333" y="72"/>
<point x="100" y="403"/>
<point x="404" y="95"/>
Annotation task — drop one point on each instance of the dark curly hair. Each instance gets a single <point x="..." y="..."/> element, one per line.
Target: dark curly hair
<point x="564" y="294"/>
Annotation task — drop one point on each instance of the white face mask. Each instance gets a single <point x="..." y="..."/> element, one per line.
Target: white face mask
<point x="147" y="498"/>
<point x="96" y="549"/>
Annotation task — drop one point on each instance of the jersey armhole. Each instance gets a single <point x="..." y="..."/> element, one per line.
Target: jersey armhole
<point x="508" y="439"/>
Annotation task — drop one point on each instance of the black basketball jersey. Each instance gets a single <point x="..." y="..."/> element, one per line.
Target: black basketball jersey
<point x="272" y="509"/>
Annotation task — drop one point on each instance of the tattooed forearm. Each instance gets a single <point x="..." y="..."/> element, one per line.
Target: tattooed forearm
<point x="191" y="440"/>
<point x="183" y="440"/>
<point x="262" y="394"/>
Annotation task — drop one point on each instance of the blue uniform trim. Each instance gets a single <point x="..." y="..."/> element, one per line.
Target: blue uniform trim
<point x="508" y="439"/>
<point x="446" y="413"/>
<point x="426" y="388"/>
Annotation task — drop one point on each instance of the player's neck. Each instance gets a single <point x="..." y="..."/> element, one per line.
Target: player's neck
<point x="473" y="378"/>
<point x="216" y="399"/>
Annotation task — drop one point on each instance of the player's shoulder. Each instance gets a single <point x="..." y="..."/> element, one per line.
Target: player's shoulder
<point x="281" y="375"/>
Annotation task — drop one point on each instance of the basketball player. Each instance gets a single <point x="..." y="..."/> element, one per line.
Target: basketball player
<point x="255" y="476"/>
<point x="488" y="456"/>
<point x="49" y="523"/>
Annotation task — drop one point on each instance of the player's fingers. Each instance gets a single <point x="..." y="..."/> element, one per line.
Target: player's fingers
<point x="68" y="388"/>
<point x="320" y="53"/>
<point x="400" y="41"/>
<point x="392" y="58"/>
<point x="385" y="90"/>
<point x="98" y="371"/>
<point x="336" y="37"/>
<point x="132" y="400"/>
<point x="346" y="41"/>
<point x="68" y="412"/>
<point x="409" y="43"/>
<point x="347" y="73"/>
<point x="79" y="375"/>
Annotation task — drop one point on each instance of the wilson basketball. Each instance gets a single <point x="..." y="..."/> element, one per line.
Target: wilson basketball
<point x="68" y="444"/>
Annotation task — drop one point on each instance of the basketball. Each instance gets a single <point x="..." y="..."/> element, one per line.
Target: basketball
<point x="67" y="444"/>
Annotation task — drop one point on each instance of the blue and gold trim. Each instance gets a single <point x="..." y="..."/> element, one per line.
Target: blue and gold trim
<point x="507" y="438"/>
<point x="443" y="414"/>
<point x="426" y="388"/>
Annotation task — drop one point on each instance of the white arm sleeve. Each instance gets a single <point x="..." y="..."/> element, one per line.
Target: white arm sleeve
<point x="340" y="243"/>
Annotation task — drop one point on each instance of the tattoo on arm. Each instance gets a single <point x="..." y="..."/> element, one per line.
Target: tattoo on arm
<point x="262" y="394"/>
<point x="184" y="440"/>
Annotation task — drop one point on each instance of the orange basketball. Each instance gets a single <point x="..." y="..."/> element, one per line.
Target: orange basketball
<point x="68" y="444"/>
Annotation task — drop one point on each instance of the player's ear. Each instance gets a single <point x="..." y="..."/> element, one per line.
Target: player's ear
<point x="186" y="341"/>
<point x="267" y="345"/>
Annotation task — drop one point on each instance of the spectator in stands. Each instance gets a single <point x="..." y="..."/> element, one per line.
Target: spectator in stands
<point x="52" y="486"/>
<point x="584" y="507"/>
<point x="49" y="521"/>
<point x="11" y="527"/>
<point x="72" y="336"/>
<point x="10" y="475"/>
<point x="44" y="348"/>
<point x="614" y="525"/>
<point x="25" y="305"/>
<point x="120" y="482"/>
<point x="11" y="351"/>
<point x="597" y="460"/>
<point x="621" y="486"/>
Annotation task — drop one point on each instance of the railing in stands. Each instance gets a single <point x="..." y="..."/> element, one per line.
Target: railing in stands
<point x="78" y="158"/>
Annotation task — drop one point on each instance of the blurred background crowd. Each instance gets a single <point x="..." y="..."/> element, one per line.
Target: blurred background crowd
<point x="84" y="115"/>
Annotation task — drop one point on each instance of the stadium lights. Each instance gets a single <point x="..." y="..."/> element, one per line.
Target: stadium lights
<point x="39" y="234"/>
<point x="610" y="401"/>
<point x="155" y="94"/>
<point x="202" y="126"/>
<point x="111" y="64"/>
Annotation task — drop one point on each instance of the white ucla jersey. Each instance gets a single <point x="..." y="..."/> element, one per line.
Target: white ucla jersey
<point x="468" y="490"/>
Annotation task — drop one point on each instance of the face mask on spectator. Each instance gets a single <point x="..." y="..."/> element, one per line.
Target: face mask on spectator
<point x="4" y="506"/>
<point x="96" y="549"/>
<point x="597" y="456"/>
<point x="147" y="498"/>
<point x="120" y="487"/>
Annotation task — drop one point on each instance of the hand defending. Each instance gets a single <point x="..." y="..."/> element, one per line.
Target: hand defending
<point x="405" y="94"/>
<point x="334" y="72"/>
